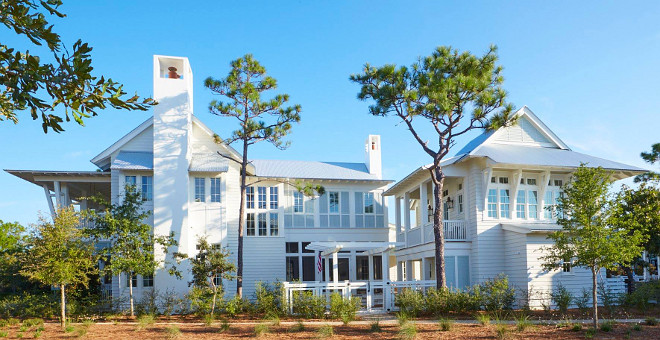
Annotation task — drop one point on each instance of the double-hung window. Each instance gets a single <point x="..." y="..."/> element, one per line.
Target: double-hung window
<point x="297" y="202"/>
<point x="249" y="197"/>
<point x="368" y="202"/>
<point x="261" y="195"/>
<point x="263" y="227"/>
<point x="492" y="203"/>
<point x="504" y="203"/>
<point x="250" y="224"/>
<point x="274" y="198"/>
<point x="262" y="211"/>
<point x="521" y="204"/>
<point x="333" y="202"/>
<point x="215" y="190"/>
<point x="200" y="192"/>
<point x="131" y="182"/>
<point x="147" y="188"/>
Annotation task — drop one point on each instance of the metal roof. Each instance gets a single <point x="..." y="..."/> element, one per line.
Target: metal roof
<point x="313" y="170"/>
<point x="208" y="162"/>
<point x="133" y="160"/>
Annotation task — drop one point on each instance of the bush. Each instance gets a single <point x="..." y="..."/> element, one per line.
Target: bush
<point x="637" y="327"/>
<point x="607" y="326"/>
<point x="607" y="297"/>
<point x="145" y="321"/>
<point x="237" y="306"/>
<point x="343" y="308"/>
<point x="410" y="301"/>
<point x="651" y="321"/>
<point x="261" y="329"/>
<point x="583" y="302"/>
<point x="576" y="327"/>
<point x="442" y="301"/>
<point x="29" y="305"/>
<point x="268" y="299"/>
<point x="408" y="331"/>
<point x="483" y="319"/>
<point x="200" y="300"/>
<point x="307" y="305"/>
<point x="173" y="332"/>
<point x="171" y="303"/>
<point x="148" y="303"/>
<point x="644" y="292"/>
<point x="562" y="298"/>
<point x="374" y="326"/>
<point x="496" y="294"/>
<point x="446" y="324"/>
<point x="3" y="334"/>
<point x="325" y="331"/>
<point x="224" y="325"/>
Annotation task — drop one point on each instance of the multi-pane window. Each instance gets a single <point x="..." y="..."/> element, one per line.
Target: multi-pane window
<point x="261" y="195"/>
<point x="533" y="204"/>
<point x="550" y="202"/>
<point x="263" y="227"/>
<point x="362" y="267"/>
<point x="504" y="180"/>
<point x="492" y="203"/>
<point x="521" y="202"/>
<point x="297" y="202"/>
<point x="504" y="203"/>
<point x="297" y="262"/>
<point x="215" y="190"/>
<point x="274" y="198"/>
<point x="250" y="224"/>
<point x="566" y="266"/>
<point x="200" y="192"/>
<point x="133" y="280"/>
<point x="131" y="182"/>
<point x="249" y="197"/>
<point x="147" y="188"/>
<point x="274" y="224"/>
<point x="368" y="202"/>
<point x="333" y="198"/>
<point x="148" y="280"/>
<point x="445" y="211"/>
<point x="217" y="280"/>
<point x="460" y="203"/>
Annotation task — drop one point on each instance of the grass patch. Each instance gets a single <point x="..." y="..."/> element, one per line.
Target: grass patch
<point x="576" y="327"/>
<point x="3" y="334"/>
<point x="636" y="327"/>
<point x="274" y="320"/>
<point x="607" y="326"/>
<point x="172" y="332"/>
<point x="402" y="317"/>
<point x="145" y="321"/>
<point x="523" y="323"/>
<point x="261" y="329"/>
<point x="34" y="322"/>
<point x="483" y="319"/>
<point x="69" y="329"/>
<point x="37" y="333"/>
<point x="298" y="327"/>
<point x="3" y="323"/>
<point x="13" y="321"/>
<point x="589" y="334"/>
<point x="408" y="331"/>
<point x="224" y="325"/>
<point x="374" y="326"/>
<point x="651" y="321"/>
<point x="501" y="331"/>
<point x="446" y="324"/>
<point x="325" y="331"/>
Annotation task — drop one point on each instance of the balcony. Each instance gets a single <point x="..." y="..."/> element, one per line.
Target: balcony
<point x="455" y="231"/>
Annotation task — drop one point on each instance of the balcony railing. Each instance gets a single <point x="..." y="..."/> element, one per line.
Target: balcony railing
<point x="455" y="230"/>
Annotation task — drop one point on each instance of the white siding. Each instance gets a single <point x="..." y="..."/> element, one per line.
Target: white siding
<point x="523" y="132"/>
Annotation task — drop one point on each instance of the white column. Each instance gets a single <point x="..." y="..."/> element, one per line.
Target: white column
<point x="406" y="216"/>
<point x="426" y="274"/>
<point x="386" y="277"/>
<point x="65" y="193"/>
<point x="58" y="195"/>
<point x="397" y="214"/>
<point x="399" y="271"/>
<point x="424" y="202"/>
<point x="49" y="198"/>
<point x="409" y="270"/>
<point x="317" y="274"/>
<point x="327" y="269"/>
<point x="335" y="268"/>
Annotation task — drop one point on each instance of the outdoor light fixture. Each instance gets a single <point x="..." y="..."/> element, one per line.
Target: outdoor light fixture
<point x="450" y="203"/>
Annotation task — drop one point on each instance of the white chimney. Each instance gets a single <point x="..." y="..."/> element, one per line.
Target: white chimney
<point x="173" y="90"/>
<point x="372" y="156"/>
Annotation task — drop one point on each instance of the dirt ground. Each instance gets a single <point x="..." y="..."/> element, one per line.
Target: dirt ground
<point x="160" y="330"/>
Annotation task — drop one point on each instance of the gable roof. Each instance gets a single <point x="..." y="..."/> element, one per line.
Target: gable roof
<point x="313" y="170"/>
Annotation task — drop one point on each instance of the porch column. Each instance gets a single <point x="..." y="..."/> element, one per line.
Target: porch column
<point x="386" y="277"/>
<point x="327" y="269"/>
<point x="426" y="273"/>
<point x="397" y="214"/>
<point x="406" y="216"/>
<point x="317" y="273"/>
<point x="335" y="268"/>
<point x="399" y="271"/>
<point x="58" y="195"/>
<point x="409" y="270"/>
<point x="49" y="198"/>
<point x="424" y="202"/>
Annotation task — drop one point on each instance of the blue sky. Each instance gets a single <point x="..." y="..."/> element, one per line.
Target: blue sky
<point x="589" y="70"/>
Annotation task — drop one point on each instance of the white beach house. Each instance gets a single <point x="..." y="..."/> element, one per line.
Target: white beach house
<point x="496" y="194"/>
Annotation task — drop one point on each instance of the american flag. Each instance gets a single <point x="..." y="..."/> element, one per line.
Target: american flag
<point x="319" y="263"/>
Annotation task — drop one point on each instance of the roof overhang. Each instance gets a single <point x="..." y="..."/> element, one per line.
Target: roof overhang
<point x="529" y="228"/>
<point x="80" y="183"/>
<point x="366" y="247"/>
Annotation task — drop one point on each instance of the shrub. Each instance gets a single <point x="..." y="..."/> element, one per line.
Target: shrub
<point x="644" y="292"/>
<point x="200" y="300"/>
<point x="237" y="306"/>
<point x="402" y="317"/>
<point x="501" y="330"/>
<point x="29" y="305"/>
<point x="171" y="303"/>
<point x="261" y="329"/>
<point x="483" y="319"/>
<point x="374" y="326"/>
<point x="148" y="303"/>
<point x="607" y="326"/>
<point x="3" y="334"/>
<point x="33" y="322"/>
<point x="145" y="321"/>
<point x="208" y="319"/>
<point x="651" y="321"/>
<point x="298" y="327"/>
<point x="442" y="301"/>
<point x="583" y="301"/>
<point x="637" y="327"/>
<point x="562" y="298"/>
<point x="343" y="308"/>
<point x="224" y="325"/>
<point x="446" y="324"/>
<point x="607" y="297"/>
<point x="13" y="321"/>
<point x="172" y="332"/>
<point x="497" y="294"/>
<point x="408" y="331"/>
<point x="410" y="301"/>
<point x="576" y="327"/>
<point x="522" y="323"/>
<point x="307" y="305"/>
<point x="268" y="299"/>
<point x="325" y="331"/>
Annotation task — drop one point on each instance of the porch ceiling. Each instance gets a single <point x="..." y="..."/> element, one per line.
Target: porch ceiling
<point x="365" y="246"/>
<point x="80" y="183"/>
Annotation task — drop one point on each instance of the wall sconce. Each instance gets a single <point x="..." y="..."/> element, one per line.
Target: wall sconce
<point x="429" y="210"/>
<point x="450" y="203"/>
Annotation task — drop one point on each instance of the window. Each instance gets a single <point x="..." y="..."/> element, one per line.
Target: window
<point x="291" y="247"/>
<point x="148" y="280"/>
<point x="263" y="227"/>
<point x="445" y="211"/>
<point x="460" y="203"/>
<point x="200" y="193"/>
<point x="522" y="180"/>
<point x="334" y="202"/>
<point x="131" y="182"/>
<point x="297" y="202"/>
<point x="274" y="224"/>
<point x="133" y="280"/>
<point x="304" y="248"/>
<point x="217" y="280"/>
<point x="492" y="180"/>
<point x="531" y="181"/>
<point x="250" y="224"/>
<point x="249" y="197"/>
<point x="362" y="267"/>
<point x="378" y="267"/>
<point x="521" y="204"/>
<point x="504" y="180"/>
<point x="549" y="201"/>
<point x="292" y="270"/>
<point x="274" y="198"/>
<point x="558" y="182"/>
<point x="445" y="193"/>
<point x="504" y="203"/>
<point x="492" y="203"/>
<point x="368" y="202"/>
<point x="215" y="190"/>
<point x="342" y="268"/>
<point x="147" y="188"/>
<point x="308" y="268"/>
<point x="261" y="195"/>
<point x="460" y="186"/>
<point x="533" y="204"/>
<point x="566" y="266"/>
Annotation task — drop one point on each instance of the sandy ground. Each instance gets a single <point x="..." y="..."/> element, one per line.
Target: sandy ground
<point x="288" y="330"/>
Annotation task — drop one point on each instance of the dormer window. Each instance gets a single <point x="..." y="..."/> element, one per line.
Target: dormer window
<point x="531" y="181"/>
<point x="504" y="180"/>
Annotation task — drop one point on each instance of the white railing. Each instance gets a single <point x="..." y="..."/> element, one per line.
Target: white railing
<point x="415" y="237"/>
<point x="455" y="230"/>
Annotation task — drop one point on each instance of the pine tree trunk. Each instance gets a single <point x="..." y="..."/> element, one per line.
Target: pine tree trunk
<point x="594" y="296"/>
<point x="241" y="223"/>
<point x="62" y="307"/>
<point x="130" y="293"/>
<point x="438" y="228"/>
